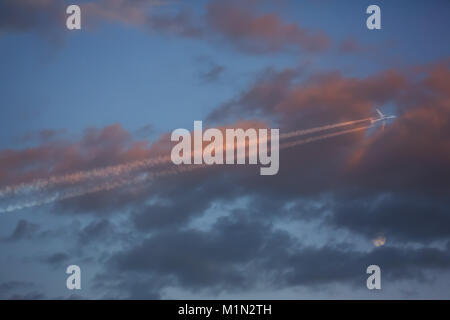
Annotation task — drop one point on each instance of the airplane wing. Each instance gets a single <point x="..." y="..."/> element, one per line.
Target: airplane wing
<point x="380" y="114"/>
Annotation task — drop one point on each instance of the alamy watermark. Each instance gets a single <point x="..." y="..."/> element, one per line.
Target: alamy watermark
<point x="249" y="144"/>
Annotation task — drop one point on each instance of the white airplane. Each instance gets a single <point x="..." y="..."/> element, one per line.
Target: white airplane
<point x="382" y="117"/>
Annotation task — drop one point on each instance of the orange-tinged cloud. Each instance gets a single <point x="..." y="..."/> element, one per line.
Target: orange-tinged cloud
<point x="266" y="32"/>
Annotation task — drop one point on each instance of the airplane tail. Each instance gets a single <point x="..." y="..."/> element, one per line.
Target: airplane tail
<point x="380" y="113"/>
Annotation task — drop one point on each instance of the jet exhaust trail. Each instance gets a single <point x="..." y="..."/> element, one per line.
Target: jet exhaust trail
<point x="81" y="176"/>
<point x="149" y="176"/>
<point x="81" y="191"/>
<point x="118" y="170"/>
<point x="323" y="128"/>
<point x="322" y="137"/>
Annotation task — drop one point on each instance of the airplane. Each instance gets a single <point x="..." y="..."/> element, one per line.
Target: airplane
<point x="382" y="117"/>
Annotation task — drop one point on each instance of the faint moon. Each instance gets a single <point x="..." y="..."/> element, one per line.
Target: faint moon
<point x="379" y="241"/>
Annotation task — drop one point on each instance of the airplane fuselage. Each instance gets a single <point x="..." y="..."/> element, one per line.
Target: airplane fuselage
<point x="382" y="118"/>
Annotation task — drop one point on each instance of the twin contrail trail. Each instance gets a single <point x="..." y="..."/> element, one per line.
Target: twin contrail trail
<point x="120" y="170"/>
<point x="322" y="137"/>
<point x="106" y="186"/>
<point x="322" y="128"/>
<point x="81" y="176"/>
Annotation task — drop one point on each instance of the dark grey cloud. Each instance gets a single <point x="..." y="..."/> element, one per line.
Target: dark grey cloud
<point x="34" y="295"/>
<point x="179" y="201"/>
<point x="240" y="252"/>
<point x="312" y="266"/>
<point x="96" y="230"/>
<point x="44" y="17"/>
<point x="56" y="259"/>
<point x="24" y="230"/>
<point x="20" y="290"/>
<point x="216" y="259"/>
<point x="400" y="217"/>
<point x="6" y="287"/>
<point x="114" y="285"/>
<point x="214" y="72"/>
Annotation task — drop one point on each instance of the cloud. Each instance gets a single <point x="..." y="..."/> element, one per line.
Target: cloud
<point x="394" y="181"/>
<point x="97" y="147"/>
<point x="320" y="98"/>
<point x="243" y="27"/>
<point x="199" y="259"/>
<point x="34" y="295"/>
<point x="56" y="259"/>
<point x="6" y="287"/>
<point x="404" y="218"/>
<point x="239" y="253"/>
<point x="96" y="230"/>
<point x="239" y="24"/>
<point x="47" y="17"/>
<point x="145" y="14"/>
<point x="41" y="136"/>
<point x="23" y="230"/>
<point x="213" y="73"/>
<point x="347" y="265"/>
<point x="37" y="16"/>
<point x="9" y="290"/>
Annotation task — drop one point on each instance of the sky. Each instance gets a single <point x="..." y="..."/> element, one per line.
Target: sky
<point x="110" y="94"/>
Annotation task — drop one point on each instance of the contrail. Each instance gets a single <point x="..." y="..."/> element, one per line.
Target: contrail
<point x="81" y="176"/>
<point x="118" y="170"/>
<point x="322" y="137"/>
<point x="81" y="191"/>
<point x="323" y="128"/>
<point x="152" y="175"/>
